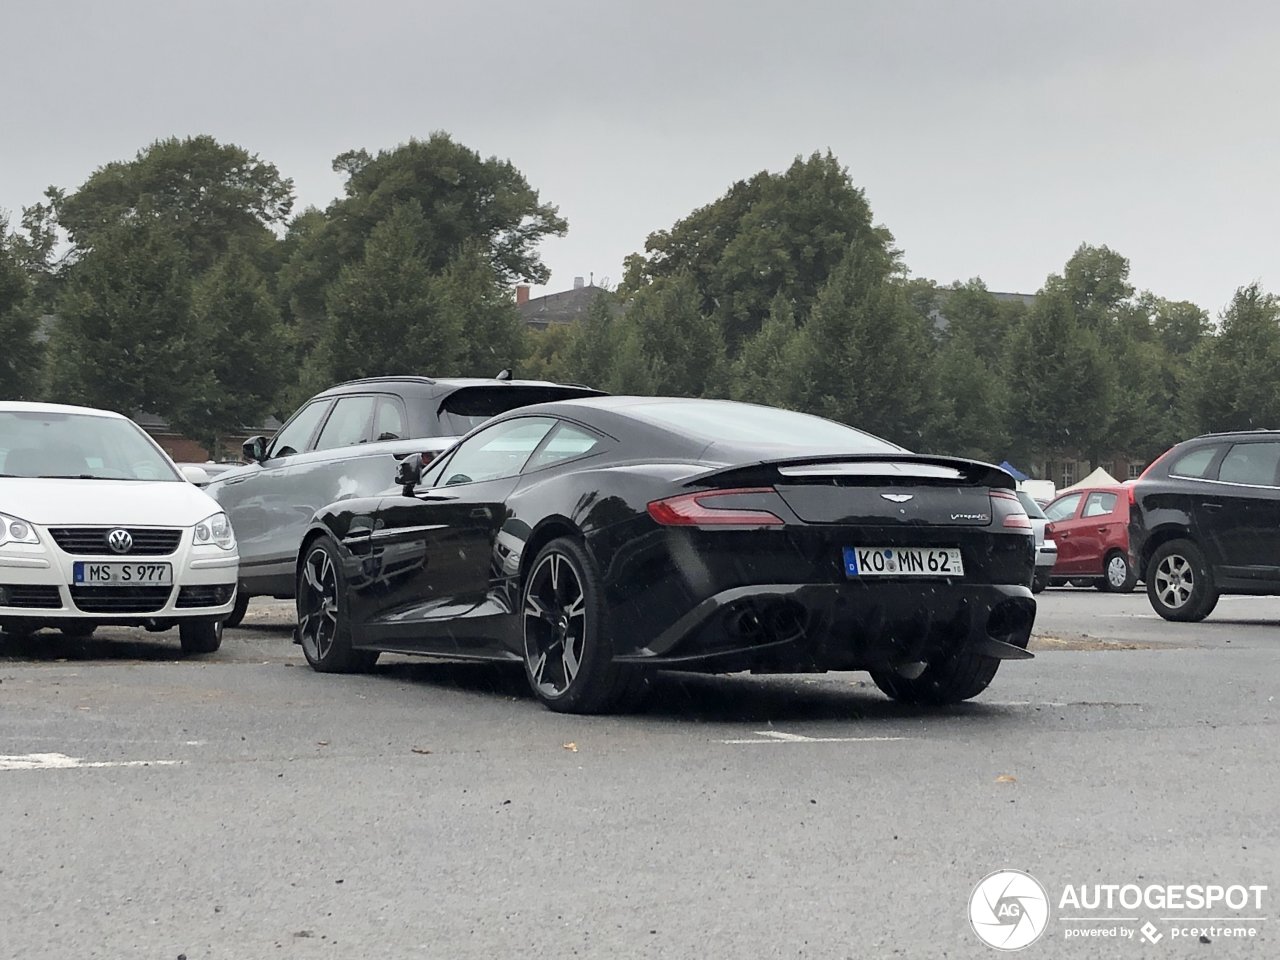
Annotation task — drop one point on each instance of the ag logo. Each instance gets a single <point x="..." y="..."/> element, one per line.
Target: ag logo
<point x="1009" y="909"/>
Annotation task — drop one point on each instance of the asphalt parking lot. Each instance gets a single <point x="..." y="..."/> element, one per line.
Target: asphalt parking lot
<point x="241" y="806"/>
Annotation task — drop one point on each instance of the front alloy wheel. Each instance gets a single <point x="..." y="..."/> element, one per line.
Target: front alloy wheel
<point x="323" y="631"/>
<point x="568" y="656"/>
<point x="1178" y="582"/>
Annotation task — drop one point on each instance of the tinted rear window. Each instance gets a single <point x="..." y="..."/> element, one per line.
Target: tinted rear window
<point x="744" y="423"/>
<point x="1255" y="464"/>
<point x="468" y="407"/>
<point x="1029" y="504"/>
<point x="1194" y="464"/>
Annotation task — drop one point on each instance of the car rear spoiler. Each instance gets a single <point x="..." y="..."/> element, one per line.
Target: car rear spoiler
<point x="885" y="468"/>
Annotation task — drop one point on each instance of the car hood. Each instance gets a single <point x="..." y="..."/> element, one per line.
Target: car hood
<point x="106" y="502"/>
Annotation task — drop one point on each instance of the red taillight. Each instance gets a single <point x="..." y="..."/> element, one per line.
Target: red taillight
<point x="709" y="508"/>
<point x="1014" y="517"/>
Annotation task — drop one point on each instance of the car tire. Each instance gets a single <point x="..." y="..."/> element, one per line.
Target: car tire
<point x="78" y="629"/>
<point x="200" y="636"/>
<point x="1179" y="584"/>
<point x="959" y="676"/>
<point x="1039" y="583"/>
<point x="568" y="653"/>
<point x="324" y="626"/>
<point x="1118" y="575"/>
<point x="237" y="612"/>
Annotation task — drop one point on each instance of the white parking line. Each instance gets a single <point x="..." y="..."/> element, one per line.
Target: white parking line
<point x="60" y="761"/>
<point x="777" y="736"/>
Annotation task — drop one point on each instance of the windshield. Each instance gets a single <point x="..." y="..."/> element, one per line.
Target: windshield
<point x="731" y="422"/>
<point x="79" y="446"/>
<point x="1029" y="504"/>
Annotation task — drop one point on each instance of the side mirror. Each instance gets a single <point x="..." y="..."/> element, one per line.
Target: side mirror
<point x="197" y="475"/>
<point x="409" y="472"/>
<point x="255" y="449"/>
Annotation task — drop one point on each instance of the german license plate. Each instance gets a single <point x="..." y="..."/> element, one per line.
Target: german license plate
<point x="123" y="574"/>
<point x="903" y="562"/>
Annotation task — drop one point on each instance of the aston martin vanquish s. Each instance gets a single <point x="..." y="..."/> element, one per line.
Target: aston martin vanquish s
<point x="598" y="539"/>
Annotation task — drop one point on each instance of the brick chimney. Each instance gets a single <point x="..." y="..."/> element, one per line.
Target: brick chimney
<point x="522" y="293"/>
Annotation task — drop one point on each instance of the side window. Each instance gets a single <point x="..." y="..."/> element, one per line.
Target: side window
<point x="348" y="424"/>
<point x="296" y="434"/>
<point x="500" y="451"/>
<point x="1063" y="509"/>
<point x="1099" y="504"/>
<point x="567" y="443"/>
<point x="1251" y="463"/>
<point x="1194" y="464"/>
<point x="388" y="420"/>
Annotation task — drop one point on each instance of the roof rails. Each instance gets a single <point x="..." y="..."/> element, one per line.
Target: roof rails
<point x="1236" y="433"/>
<point x="408" y="376"/>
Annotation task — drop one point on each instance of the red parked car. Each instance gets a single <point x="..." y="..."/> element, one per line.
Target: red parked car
<point x="1091" y="529"/>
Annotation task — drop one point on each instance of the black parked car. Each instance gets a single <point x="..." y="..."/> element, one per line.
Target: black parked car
<point x="594" y="539"/>
<point x="1204" y="520"/>
<point x="344" y="443"/>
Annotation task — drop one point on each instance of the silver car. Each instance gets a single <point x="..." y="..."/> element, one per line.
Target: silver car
<point x="1046" y="550"/>
<point x="342" y="443"/>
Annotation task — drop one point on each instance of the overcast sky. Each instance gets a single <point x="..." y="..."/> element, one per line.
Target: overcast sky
<point x="991" y="138"/>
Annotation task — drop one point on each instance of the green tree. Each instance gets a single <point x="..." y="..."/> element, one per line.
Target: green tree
<point x="545" y="353"/>
<point x="209" y="195"/>
<point x="384" y="312"/>
<point x="1061" y="383"/>
<point x="665" y="345"/>
<point x="124" y="337"/>
<point x="20" y="354"/>
<point x="239" y="363"/>
<point x="466" y="200"/>
<point x="865" y="356"/>
<point x="754" y="374"/>
<point x="469" y="298"/>
<point x="773" y="234"/>
<point x="588" y="354"/>
<point x="1234" y="375"/>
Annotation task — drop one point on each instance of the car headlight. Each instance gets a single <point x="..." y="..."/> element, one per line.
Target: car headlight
<point x="215" y="531"/>
<point x="13" y="530"/>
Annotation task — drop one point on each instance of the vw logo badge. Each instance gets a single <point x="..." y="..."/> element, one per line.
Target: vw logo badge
<point x="120" y="541"/>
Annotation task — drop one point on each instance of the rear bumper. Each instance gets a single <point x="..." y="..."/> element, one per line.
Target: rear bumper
<point x="844" y="626"/>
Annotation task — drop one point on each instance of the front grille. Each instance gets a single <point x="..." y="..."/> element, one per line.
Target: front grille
<point x="120" y="599"/>
<point x="210" y="595"/>
<point x="29" y="595"/>
<point x="92" y="541"/>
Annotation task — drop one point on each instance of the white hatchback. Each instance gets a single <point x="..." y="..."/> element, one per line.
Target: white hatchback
<point x="97" y="526"/>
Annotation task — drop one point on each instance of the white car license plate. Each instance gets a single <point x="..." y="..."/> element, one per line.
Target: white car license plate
<point x="903" y="562"/>
<point x="123" y="574"/>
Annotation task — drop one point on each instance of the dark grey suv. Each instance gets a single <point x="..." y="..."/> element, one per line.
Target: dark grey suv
<point x="1204" y="520"/>
<point x="342" y="443"/>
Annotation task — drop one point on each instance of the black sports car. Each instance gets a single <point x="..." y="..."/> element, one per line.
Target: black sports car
<point x="596" y="539"/>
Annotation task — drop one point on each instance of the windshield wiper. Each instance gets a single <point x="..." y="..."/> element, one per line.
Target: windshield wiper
<point x="77" y="476"/>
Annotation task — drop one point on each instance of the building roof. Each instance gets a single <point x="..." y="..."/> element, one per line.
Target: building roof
<point x="565" y="307"/>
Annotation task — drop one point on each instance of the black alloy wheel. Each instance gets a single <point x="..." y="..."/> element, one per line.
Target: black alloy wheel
<point x="323" y="629"/>
<point x="568" y="658"/>
<point x="1179" y="584"/>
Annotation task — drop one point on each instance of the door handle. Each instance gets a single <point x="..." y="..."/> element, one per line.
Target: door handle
<point x="237" y="480"/>
<point x="1211" y="505"/>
